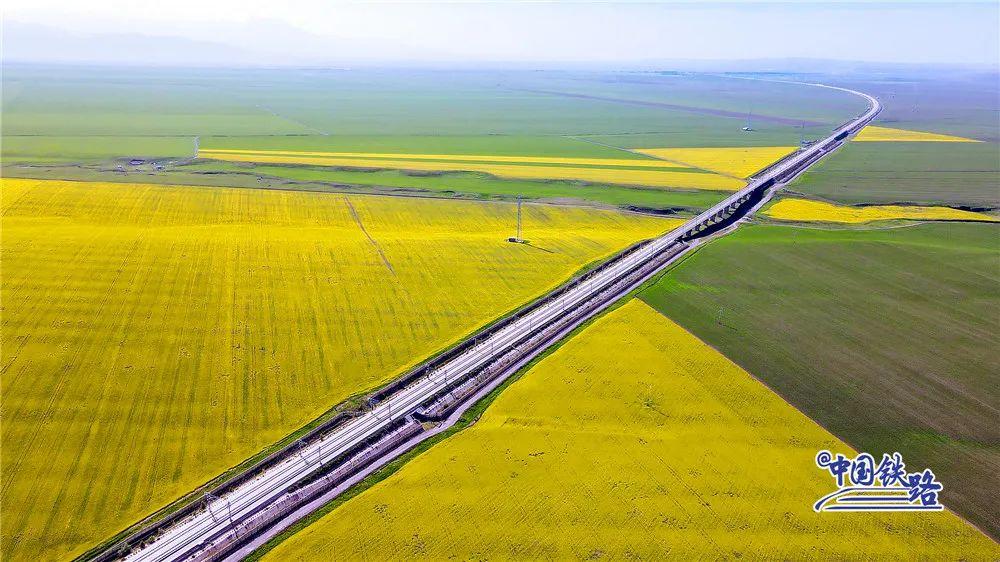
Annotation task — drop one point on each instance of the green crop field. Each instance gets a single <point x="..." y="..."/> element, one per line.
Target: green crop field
<point x="885" y="337"/>
<point x="924" y="173"/>
<point x="929" y="173"/>
<point x="79" y="123"/>
<point x="70" y="149"/>
<point x="703" y="93"/>
<point x="400" y="111"/>
<point x="502" y="145"/>
<point x="961" y="103"/>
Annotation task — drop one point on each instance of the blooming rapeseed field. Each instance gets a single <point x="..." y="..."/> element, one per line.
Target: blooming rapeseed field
<point x="635" y="440"/>
<point x="804" y="210"/>
<point x="611" y="170"/>
<point x="885" y="134"/>
<point x="154" y="336"/>
<point x="739" y="162"/>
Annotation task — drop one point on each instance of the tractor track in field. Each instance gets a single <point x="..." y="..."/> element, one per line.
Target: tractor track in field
<point x="374" y="243"/>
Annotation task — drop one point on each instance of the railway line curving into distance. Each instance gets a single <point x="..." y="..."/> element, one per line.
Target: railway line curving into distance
<point x="283" y="487"/>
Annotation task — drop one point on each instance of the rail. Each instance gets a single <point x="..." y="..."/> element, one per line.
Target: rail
<point x="267" y="492"/>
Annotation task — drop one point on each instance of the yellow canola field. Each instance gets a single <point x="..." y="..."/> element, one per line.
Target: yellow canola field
<point x="614" y="175"/>
<point x="154" y="336"/>
<point x="740" y="162"/>
<point x="872" y="133"/>
<point x="634" y="441"/>
<point x="807" y="211"/>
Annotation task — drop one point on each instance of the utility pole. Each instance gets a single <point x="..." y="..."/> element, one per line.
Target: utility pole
<point x="302" y="448"/>
<point x="232" y="523"/>
<point x="517" y="239"/>
<point x="209" y="498"/>
<point x="518" y="218"/>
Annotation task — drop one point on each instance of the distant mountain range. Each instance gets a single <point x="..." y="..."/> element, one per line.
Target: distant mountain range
<point x="35" y="43"/>
<point x="26" y="42"/>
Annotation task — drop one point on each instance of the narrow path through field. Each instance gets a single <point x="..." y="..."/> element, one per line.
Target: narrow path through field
<point x="361" y="225"/>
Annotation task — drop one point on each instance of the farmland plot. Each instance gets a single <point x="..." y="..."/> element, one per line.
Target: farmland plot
<point x="67" y="114"/>
<point x="926" y="173"/>
<point x="873" y="133"/>
<point x="804" y="210"/>
<point x="739" y="162"/>
<point x="634" y="440"/>
<point x="657" y="173"/>
<point x="885" y="336"/>
<point x="155" y="335"/>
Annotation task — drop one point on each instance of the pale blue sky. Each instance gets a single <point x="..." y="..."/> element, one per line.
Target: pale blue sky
<point x="310" y="31"/>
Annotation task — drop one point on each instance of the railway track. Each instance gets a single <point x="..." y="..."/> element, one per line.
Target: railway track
<point x="252" y="505"/>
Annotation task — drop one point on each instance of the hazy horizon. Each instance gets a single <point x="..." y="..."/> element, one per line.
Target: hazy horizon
<point x="571" y="34"/>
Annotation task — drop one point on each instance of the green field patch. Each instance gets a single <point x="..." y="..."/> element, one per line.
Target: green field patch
<point x="715" y="135"/>
<point x="113" y="123"/>
<point x="369" y="110"/>
<point x="963" y="104"/>
<point x="950" y="174"/>
<point x="500" y="145"/>
<point x="18" y="149"/>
